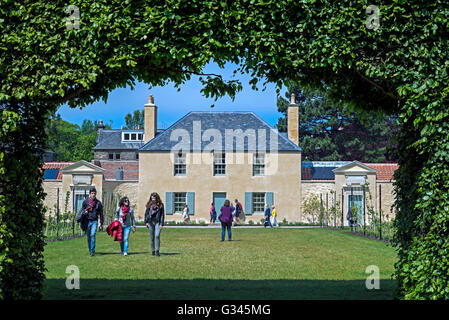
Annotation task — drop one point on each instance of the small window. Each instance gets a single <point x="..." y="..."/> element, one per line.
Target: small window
<point x="179" y="200"/>
<point x="137" y="156"/>
<point x="140" y="136"/>
<point x="111" y="156"/>
<point x="259" y="164"/>
<point x="180" y="164"/>
<point x="258" y="202"/>
<point x="126" y="137"/>
<point x="117" y="156"/>
<point x="219" y="164"/>
<point x="133" y="136"/>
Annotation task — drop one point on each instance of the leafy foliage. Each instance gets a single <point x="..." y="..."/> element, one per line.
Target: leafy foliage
<point x="135" y="120"/>
<point x="69" y="141"/>
<point x="401" y="68"/>
<point x="329" y="131"/>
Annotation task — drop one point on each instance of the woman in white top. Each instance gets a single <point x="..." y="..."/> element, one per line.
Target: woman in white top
<point x="185" y="213"/>
<point x="125" y="214"/>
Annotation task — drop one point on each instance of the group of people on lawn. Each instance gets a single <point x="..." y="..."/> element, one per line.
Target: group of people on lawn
<point x="92" y="210"/>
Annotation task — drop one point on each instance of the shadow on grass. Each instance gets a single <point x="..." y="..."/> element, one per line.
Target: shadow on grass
<point x="134" y="253"/>
<point x="223" y="289"/>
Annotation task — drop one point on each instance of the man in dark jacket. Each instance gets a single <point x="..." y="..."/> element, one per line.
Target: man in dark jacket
<point x="92" y="209"/>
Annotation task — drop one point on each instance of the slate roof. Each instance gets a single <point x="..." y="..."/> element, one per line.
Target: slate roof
<point x="322" y="170"/>
<point x="247" y="121"/>
<point x="112" y="139"/>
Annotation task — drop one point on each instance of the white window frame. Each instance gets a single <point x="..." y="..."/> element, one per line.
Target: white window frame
<point x="219" y="163"/>
<point x="139" y="136"/>
<point x="180" y="166"/>
<point x="259" y="203"/>
<point x="258" y="165"/>
<point x="179" y="204"/>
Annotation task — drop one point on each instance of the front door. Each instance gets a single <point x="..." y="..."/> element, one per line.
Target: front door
<point x="356" y="201"/>
<point x="219" y="199"/>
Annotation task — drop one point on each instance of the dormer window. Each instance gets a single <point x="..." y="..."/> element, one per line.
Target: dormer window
<point x="132" y="136"/>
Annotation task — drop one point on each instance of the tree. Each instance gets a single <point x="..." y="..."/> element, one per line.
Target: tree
<point x="400" y="67"/>
<point x="71" y="142"/>
<point x="135" y="120"/>
<point x="329" y="131"/>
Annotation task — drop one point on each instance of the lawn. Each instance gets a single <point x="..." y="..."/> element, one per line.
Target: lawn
<point x="258" y="264"/>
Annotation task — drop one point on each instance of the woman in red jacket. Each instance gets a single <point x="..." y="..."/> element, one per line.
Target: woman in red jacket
<point x="125" y="215"/>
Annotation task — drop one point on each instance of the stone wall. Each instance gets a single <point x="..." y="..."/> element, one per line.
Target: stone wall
<point x="51" y="199"/>
<point x="124" y="155"/>
<point x="319" y="188"/>
<point x="121" y="189"/>
<point x="388" y="198"/>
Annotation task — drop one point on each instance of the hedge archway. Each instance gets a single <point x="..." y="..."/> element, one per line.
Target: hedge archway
<point x="400" y="67"/>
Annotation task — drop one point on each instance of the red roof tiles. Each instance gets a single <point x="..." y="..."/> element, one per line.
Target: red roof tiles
<point x="56" y="165"/>
<point x="385" y="170"/>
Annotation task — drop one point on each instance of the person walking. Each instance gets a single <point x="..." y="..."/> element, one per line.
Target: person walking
<point x="225" y="218"/>
<point x="238" y="211"/>
<point x="154" y="220"/>
<point x="213" y="213"/>
<point x="92" y="209"/>
<point x="185" y="213"/>
<point x="125" y="214"/>
<point x="267" y="217"/>
<point x="274" y="216"/>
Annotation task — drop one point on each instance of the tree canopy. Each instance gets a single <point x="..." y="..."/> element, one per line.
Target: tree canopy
<point x="401" y="67"/>
<point x="329" y="131"/>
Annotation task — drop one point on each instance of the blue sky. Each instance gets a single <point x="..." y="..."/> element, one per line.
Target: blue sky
<point x="172" y="105"/>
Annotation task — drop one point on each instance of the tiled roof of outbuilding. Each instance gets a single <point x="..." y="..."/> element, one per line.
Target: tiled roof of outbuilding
<point x="52" y="170"/>
<point x="323" y="170"/>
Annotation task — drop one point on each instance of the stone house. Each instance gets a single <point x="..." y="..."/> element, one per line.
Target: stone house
<point x="207" y="157"/>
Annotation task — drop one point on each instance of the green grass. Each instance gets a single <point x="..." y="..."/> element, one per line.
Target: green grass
<point x="259" y="264"/>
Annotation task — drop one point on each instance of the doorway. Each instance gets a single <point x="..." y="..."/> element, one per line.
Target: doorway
<point x="219" y="199"/>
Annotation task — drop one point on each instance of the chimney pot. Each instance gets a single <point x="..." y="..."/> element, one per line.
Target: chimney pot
<point x="100" y="125"/>
<point x="151" y="99"/>
<point x="292" y="98"/>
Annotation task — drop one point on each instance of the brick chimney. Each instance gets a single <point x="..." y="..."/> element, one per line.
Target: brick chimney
<point x="100" y="127"/>
<point x="150" y="125"/>
<point x="293" y="120"/>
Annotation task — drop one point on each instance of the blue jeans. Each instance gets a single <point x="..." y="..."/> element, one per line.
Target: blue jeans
<point x="91" y="231"/>
<point x="223" y="229"/>
<point x="267" y="219"/>
<point x="125" y="237"/>
<point x="155" y="232"/>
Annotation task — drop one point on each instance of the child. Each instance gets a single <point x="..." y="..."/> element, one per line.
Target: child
<point x="213" y="213"/>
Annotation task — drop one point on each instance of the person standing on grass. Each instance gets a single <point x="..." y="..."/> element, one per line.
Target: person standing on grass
<point x="267" y="217"/>
<point x="125" y="214"/>
<point x="213" y="213"/>
<point x="92" y="209"/>
<point x="154" y="220"/>
<point x="185" y="213"/>
<point x="225" y="218"/>
<point x="274" y="216"/>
